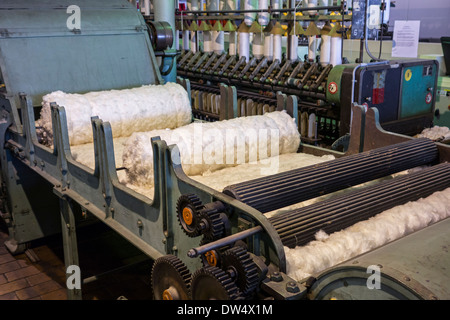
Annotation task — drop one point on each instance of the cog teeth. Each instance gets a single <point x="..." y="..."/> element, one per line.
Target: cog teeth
<point x="248" y="277"/>
<point x="216" y="225"/>
<point x="192" y="201"/>
<point x="181" y="275"/>
<point x="222" y="278"/>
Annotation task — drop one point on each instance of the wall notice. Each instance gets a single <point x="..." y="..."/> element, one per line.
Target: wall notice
<point x="406" y="39"/>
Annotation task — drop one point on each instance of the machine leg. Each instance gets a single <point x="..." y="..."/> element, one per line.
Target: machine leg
<point x="70" y="247"/>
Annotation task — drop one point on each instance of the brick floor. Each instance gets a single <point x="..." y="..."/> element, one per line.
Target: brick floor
<point x="20" y="279"/>
<point x="28" y="283"/>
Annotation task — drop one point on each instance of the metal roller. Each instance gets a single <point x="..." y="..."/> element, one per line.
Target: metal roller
<point x="287" y="188"/>
<point x="299" y="226"/>
<point x="161" y="35"/>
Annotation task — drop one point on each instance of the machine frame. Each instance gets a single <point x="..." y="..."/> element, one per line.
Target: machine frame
<point x="45" y="191"/>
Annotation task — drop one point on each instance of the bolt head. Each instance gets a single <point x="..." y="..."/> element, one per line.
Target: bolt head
<point x="276" y="276"/>
<point x="292" y="287"/>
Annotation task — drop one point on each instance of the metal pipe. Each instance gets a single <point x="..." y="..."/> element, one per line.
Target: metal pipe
<point x="332" y="8"/>
<point x="116" y="270"/>
<point x="195" y="252"/>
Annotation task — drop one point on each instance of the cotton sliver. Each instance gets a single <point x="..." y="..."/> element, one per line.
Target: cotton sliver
<point x="140" y="109"/>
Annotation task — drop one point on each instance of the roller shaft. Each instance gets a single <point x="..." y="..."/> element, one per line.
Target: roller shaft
<point x="287" y="188"/>
<point x="298" y="227"/>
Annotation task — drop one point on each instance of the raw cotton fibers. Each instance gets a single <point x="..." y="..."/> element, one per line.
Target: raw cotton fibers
<point x="85" y="154"/>
<point x="222" y="178"/>
<point x="130" y="110"/>
<point x="207" y="147"/>
<point x="218" y="180"/>
<point x="435" y="133"/>
<point x="329" y="250"/>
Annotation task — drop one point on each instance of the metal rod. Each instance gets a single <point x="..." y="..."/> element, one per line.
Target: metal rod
<point x="195" y="252"/>
<point x="101" y="275"/>
<point x="281" y="19"/>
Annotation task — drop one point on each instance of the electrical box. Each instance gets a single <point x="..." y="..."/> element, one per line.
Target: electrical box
<point x="442" y="109"/>
<point x="403" y="91"/>
<point x="375" y="17"/>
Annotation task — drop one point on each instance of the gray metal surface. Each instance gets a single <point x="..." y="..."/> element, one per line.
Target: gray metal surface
<point x="40" y="54"/>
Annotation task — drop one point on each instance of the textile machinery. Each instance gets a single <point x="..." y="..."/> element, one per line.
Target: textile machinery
<point x="207" y="243"/>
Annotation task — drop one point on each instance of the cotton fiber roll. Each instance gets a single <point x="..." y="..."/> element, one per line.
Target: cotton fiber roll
<point x="130" y="110"/>
<point x="207" y="147"/>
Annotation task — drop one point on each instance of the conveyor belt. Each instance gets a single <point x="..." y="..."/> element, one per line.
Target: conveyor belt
<point x="280" y="190"/>
<point x="299" y="226"/>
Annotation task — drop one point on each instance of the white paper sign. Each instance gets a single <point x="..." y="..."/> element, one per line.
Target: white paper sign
<point x="406" y="39"/>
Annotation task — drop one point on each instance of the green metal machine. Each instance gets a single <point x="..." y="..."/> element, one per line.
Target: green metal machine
<point x="442" y="114"/>
<point x="404" y="92"/>
<point x="206" y="244"/>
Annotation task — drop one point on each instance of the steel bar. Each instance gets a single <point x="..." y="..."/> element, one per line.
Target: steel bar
<point x="195" y="252"/>
<point x="332" y="8"/>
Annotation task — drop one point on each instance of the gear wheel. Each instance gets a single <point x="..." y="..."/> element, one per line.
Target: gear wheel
<point x="170" y="279"/>
<point x="188" y="214"/>
<point x="212" y="257"/>
<point x="211" y="224"/>
<point x="212" y="283"/>
<point x="238" y="260"/>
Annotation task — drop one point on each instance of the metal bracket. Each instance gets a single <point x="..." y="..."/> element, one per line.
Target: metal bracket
<point x="69" y="236"/>
<point x="282" y="287"/>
